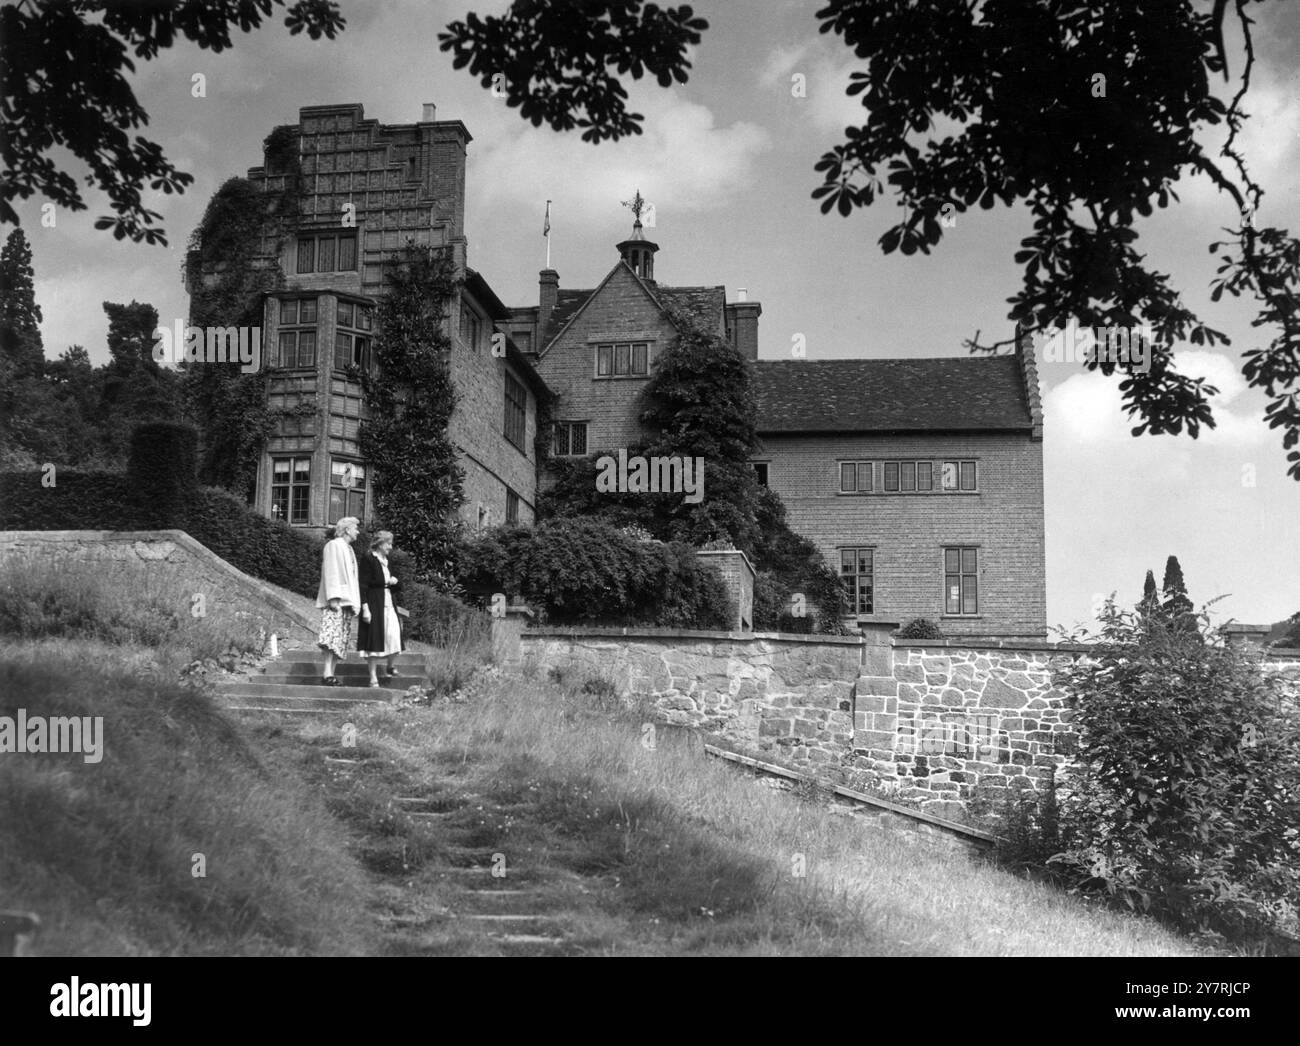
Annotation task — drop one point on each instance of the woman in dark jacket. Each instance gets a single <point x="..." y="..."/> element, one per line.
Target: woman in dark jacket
<point x="379" y="634"/>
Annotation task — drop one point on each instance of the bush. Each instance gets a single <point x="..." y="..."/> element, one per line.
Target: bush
<point x="77" y="501"/>
<point x="588" y="572"/>
<point x="269" y="549"/>
<point x="920" y="628"/>
<point x="162" y="473"/>
<point x="1183" y="799"/>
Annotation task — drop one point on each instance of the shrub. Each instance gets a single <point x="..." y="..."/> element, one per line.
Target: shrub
<point x="269" y="549"/>
<point x="588" y="572"/>
<point x="920" y="628"/>
<point x="1183" y="799"/>
<point x="77" y="501"/>
<point x="162" y="472"/>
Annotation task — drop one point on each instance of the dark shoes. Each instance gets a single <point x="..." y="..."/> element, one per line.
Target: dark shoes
<point x="331" y="681"/>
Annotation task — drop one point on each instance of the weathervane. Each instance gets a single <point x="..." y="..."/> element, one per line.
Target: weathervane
<point x="637" y="204"/>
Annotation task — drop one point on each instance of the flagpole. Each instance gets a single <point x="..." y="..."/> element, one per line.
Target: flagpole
<point x="547" y="233"/>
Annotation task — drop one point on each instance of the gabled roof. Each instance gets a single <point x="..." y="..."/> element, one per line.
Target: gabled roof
<point x="706" y="305"/>
<point x="973" y="393"/>
<point x="499" y="313"/>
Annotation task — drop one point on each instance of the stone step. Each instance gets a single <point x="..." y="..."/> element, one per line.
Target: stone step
<point x="287" y="711"/>
<point x="317" y="658"/>
<point x="359" y="680"/>
<point x="296" y="692"/>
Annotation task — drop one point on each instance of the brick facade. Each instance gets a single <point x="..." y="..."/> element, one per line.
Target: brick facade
<point x="389" y="185"/>
<point x="908" y="532"/>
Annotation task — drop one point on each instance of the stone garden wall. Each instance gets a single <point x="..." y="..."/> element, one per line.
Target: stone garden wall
<point x="928" y="723"/>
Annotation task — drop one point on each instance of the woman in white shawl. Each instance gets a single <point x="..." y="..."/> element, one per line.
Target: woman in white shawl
<point x="339" y="596"/>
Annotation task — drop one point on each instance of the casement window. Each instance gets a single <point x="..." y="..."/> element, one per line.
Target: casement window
<point x="347" y="489"/>
<point x="959" y="475"/>
<point x="516" y="414"/>
<point x="327" y="252"/>
<point x="351" y="345"/>
<point x="512" y="507"/>
<point x="623" y="360"/>
<point x="570" y="439"/>
<point x="290" y="488"/>
<point x="857" y="574"/>
<point x="471" y="326"/>
<point x="296" y="343"/>
<point x="908" y="477"/>
<point x="761" y="472"/>
<point x="960" y="580"/>
<point x="856" y="477"/>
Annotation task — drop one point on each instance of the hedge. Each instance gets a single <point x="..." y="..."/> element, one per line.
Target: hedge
<point x="585" y="572"/>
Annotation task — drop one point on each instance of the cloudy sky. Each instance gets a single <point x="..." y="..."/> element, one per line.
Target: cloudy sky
<point x="727" y="162"/>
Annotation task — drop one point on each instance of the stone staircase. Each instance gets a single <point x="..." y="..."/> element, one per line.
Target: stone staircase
<point x="292" y="685"/>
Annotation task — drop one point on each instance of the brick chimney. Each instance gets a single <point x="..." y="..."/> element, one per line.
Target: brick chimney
<point x="742" y="321"/>
<point x="548" y="289"/>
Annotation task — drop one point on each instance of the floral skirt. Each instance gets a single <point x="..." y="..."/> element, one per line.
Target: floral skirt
<point x="335" y="630"/>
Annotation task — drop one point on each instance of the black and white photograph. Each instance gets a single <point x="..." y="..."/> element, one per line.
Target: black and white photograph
<point x="559" y="479"/>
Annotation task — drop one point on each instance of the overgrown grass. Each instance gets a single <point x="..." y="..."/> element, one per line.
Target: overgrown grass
<point x="461" y="646"/>
<point x="121" y="603"/>
<point x="107" y="853"/>
<point x="653" y="850"/>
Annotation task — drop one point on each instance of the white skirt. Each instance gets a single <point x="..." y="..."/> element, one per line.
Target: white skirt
<point x="392" y="630"/>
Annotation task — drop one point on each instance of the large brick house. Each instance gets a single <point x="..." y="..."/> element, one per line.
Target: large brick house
<point x="366" y="190"/>
<point x="920" y="480"/>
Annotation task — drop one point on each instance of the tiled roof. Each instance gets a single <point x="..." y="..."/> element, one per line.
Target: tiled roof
<point x="566" y="304"/>
<point x="864" y="395"/>
<point x="706" y="304"/>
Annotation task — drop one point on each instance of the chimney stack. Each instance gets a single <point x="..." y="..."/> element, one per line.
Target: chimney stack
<point x="548" y="290"/>
<point x="742" y="319"/>
<point x="430" y="113"/>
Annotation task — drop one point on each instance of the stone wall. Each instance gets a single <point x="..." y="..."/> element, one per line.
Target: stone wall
<point x="184" y="562"/>
<point x="931" y="723"/>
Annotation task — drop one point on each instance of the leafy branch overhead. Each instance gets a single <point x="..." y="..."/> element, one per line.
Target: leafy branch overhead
<point x="559" y="61"/>
<point x="1088" y="111"/>
<point x="64" y="68"/>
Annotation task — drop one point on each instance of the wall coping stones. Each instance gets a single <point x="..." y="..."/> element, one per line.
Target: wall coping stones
<point x="975" y="643"/>
<point x="645" y="632"/>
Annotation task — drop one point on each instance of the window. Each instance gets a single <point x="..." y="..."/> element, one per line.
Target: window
<point x="631" y="359"/>
<point x="959" y="475"/>
<point x="516" y="413"/>
<point x="296" y="347"/>
<point x="290" y="488"/>
<point x="347" y="490"/>
<point x="471" y="326"/>
<point x="327" y="252"/>
<point x="857" y="573"/>
<point x="570" y="439"/>
<point x="351" y="348"/>
<point x="760" y="472"/>
<point x="925" y="475"/>
<point x="512" y="507"/>
<point x="960" y="584"/>
<point x="891" y="476"/>
<point x="855" y="477"/>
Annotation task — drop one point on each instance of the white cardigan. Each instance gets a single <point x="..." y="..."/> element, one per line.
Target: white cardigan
<point x="338" y="575"/>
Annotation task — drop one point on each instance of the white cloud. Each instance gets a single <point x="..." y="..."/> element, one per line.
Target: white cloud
<point x="683" y="161"/>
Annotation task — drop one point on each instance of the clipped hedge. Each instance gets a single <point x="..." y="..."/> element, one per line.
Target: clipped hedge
<point x="590" y="573"/>
<point x="162" y="472"/>
<point x="77" y="501"/>
<point x="269" y="549"/>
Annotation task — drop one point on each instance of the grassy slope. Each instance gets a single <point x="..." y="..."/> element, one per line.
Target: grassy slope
<point x="104" y="852"/>
<point x="639" y="851"/>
